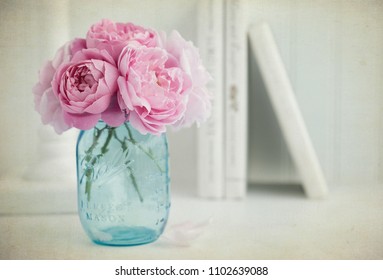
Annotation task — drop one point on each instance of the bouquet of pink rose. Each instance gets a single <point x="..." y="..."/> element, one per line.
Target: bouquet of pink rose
<point x="121" y="85"/>
<point x="123" y="72"/>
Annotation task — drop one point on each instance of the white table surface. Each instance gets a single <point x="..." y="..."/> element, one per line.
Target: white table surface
<point x="271" y="223"/>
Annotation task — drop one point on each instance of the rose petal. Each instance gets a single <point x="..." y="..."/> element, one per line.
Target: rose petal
<point x="143" y="127"/>
<point x="98" y="106"/>
<point x="114" y="116"/>
<point x="81" y="121"/>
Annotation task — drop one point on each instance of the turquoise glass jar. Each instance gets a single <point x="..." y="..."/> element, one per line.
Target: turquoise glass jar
<point x="123" y="184"/>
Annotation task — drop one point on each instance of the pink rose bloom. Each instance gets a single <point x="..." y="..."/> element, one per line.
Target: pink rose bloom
<point x="114" y="36"/>
<point x="185" y="55"/>
<point x="154" y="93"/>
<point x="85" y="88"/>
<point x="46" y="102"/>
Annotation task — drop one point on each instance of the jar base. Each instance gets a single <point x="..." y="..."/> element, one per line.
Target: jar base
<point x="125" y="236"/>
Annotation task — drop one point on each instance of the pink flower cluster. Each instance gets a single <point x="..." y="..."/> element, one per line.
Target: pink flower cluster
<point x="124" y="72"/>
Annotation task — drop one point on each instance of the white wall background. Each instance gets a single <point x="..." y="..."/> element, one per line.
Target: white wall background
<point x="333" y="54"/>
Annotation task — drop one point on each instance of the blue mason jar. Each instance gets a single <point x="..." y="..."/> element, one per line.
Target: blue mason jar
<point x="123" y="184"/>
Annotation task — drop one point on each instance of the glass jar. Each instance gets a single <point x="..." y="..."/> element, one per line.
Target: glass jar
<point x="123" y="184"/>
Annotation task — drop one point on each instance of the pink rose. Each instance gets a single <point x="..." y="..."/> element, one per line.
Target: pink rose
<point x="154" y="94"/>
<point x="85" y="87"/>
<point x="46" y="102"/>
<point x="122" y="72"/>
<point x="113" y="37"/>
<point x="185" y="55"/>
